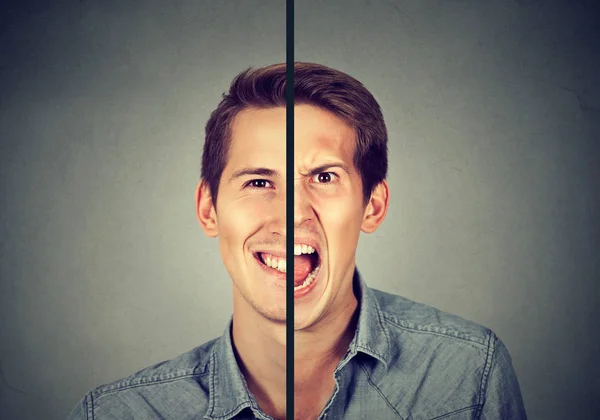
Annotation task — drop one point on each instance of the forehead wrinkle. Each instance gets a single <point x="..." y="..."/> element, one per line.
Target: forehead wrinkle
<point x="324" y="153"/>
<point x="314" y="144"/>
<point x="322" y="166"/>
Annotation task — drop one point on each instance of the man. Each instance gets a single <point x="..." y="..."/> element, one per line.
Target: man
<point x="359" y="353"/>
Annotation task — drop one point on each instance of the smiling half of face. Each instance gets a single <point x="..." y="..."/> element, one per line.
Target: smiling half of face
<point x="249" y="219"/>
<point x="329" y="214"/>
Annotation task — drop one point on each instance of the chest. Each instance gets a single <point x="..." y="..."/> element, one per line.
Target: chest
<point x="311" y="399"/>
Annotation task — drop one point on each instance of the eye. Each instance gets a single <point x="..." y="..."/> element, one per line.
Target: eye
<point x="324" y="177"/>
<point x="258" y="183"/>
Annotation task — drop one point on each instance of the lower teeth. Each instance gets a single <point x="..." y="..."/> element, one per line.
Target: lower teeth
<point x="309" y="279"/>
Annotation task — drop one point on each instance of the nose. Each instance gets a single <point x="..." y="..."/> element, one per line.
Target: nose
<point x="276" y="218"/>
<point x="303" y="211"/>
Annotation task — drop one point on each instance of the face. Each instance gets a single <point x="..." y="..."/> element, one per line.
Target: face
<point x="249" y="219"/>
<point x="329" y="214"/>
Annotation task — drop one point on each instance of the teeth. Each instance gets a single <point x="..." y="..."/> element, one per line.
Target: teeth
<point x="309" y="279"/>
<point x="300" y="249"/>
<point x="280" y="263"/>
<point x="275" y="262"/>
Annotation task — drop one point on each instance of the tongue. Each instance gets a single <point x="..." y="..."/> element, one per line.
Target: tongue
<point x="302" y="268"/>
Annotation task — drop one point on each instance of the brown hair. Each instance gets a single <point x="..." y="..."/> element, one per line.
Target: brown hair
<point x="316" y="85"/>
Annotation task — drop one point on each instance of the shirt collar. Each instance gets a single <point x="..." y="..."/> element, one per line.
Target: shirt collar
<point x="228" y="390"/>
<point x="371" y="335"/>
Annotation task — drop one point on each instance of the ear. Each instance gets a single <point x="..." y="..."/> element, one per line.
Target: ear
<point x="376" y="208"/>
<point x="205" y="210"/>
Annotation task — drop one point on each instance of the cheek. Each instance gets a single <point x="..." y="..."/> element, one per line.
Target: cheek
<point x="341" y="220"/>
<point x="340" y="206"/>
<point x="236" y="224"/>
<point x="241" y="218"/>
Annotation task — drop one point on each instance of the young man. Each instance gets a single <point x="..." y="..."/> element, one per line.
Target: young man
<point x="359" y="353"/>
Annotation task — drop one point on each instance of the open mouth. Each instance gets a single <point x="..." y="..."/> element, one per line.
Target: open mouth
<point x="306" y="265"/>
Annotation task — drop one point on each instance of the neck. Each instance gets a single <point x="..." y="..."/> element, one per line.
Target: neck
<point x="319" y="349"/>
<point x="260" y="347"/>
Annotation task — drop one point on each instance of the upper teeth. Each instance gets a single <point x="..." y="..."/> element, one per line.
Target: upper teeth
<point x="279" y="263"/>
<point x="274" y="262"/>
<point x="303" y="249"/>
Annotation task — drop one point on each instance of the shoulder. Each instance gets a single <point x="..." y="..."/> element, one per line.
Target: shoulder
<point x="150" y="391"/>
<point x="404" y="317"/>
<point x="193" y="363"/>
<point x="432" y="355"/>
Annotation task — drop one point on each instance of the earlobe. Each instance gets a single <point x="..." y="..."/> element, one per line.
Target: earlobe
<point x="205" y="210"/>
<point x="376" y="208"/>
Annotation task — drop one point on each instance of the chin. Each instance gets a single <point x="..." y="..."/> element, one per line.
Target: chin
<point x="306" y="317"/>
<point x="273" y="312"/>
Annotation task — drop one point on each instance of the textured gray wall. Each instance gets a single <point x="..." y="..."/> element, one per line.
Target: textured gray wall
<point x="493" y="113"/>
<point x="104" y="268"/>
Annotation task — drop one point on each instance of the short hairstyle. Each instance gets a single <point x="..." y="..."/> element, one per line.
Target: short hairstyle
<point x="316" y="85"/>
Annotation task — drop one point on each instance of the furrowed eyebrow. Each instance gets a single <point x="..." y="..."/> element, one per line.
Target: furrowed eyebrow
<point x="254" y="171"/>
<point x="323" y="168"/>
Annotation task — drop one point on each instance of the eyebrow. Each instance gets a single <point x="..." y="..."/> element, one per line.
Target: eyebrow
<point x="254" y="171"/>
<point x="322" y="168"/>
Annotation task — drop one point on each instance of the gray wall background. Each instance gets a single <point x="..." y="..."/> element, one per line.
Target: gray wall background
<point x="105" y="269"/>
<point x="493" y="115"/>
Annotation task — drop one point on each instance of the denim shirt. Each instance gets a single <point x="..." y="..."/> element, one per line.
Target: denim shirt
<point x="406" y="361"/>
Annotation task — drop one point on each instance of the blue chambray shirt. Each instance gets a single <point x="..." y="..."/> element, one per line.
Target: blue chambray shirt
<point x="406" y="361"/>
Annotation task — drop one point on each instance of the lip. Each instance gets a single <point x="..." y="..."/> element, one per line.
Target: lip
<point x="281" y="277"/>
<point x="276" y="274"/>
<point x="305" y="291"/>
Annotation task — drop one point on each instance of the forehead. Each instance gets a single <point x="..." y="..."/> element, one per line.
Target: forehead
<point x="319" y="134"/>
<point x="253" y="126"/>
<point x="258" y="136"/>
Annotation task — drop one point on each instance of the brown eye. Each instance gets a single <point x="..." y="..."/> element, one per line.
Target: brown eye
<point x="259" y="183"/>
<point x="324" y="177"/>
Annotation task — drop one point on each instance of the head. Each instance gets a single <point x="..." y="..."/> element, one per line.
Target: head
<point x="340" y="189"/>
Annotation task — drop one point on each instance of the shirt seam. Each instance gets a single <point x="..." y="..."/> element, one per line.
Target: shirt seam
<point x="90" y="408"/>
<point x="211" y="397"/>
<point x="364" y="339"/>
<point x="210" y="412"/>
<point x="368" y="350"/>
<point x="460" y="410"/>
<point x="425" y="329"/>
<point x="486" y="371"/>
<point x="379" y="391"/>
<point x="228" y="415"/>
<point x="150" y="381"/>
<point x="381" y="317"/>
<point x="331" y="399"/>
